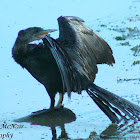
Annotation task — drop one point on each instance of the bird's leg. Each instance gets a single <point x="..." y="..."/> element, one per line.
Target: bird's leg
<point x="52" y="103"/>
<point x="59" y="104"/>
<point x="52" y="96"/>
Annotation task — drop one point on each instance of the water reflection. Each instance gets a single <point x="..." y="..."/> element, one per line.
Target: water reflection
<point x="52" y="118"/>
<point x="59" y="117"/>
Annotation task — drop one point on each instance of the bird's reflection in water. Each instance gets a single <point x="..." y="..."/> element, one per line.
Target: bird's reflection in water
<point x="59" y="117"/>
<point x="51" y="118"/>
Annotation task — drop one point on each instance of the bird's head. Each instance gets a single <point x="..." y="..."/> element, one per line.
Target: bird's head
<point x="32" y="34"/>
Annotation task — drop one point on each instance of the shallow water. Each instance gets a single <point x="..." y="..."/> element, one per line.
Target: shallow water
<point x="21" y="94"/>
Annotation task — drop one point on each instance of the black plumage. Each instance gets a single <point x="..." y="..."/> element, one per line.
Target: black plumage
<point x="69" y="63"/>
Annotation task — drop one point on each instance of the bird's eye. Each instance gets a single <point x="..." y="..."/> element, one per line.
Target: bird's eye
<point x="37" y="30"/>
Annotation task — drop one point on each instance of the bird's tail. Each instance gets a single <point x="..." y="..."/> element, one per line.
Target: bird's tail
<point x="115" y="107"/>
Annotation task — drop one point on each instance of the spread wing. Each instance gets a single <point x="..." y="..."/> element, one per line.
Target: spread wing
<point x="85" y="48"/>
<point x="70" y="77"/>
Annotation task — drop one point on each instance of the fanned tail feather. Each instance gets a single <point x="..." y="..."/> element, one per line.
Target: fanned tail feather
<point x="115" y="107"/>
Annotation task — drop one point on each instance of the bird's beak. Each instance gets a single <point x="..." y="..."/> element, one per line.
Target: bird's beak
<point x="43" y="33"/>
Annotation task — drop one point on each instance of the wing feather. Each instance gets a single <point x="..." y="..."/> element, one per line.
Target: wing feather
<point x="85" y="48"/>
<point x="68" y="74"/>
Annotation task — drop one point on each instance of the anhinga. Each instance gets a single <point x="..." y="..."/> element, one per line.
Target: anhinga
<point x="69" y="63"/>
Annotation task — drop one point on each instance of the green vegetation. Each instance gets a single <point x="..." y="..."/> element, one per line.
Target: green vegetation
<point x="120" y="37"/>
<point x="125" y="44"/>
<point x="136" y="51"/>
<point x="136" y="62"/>
<point x="135" y="18"/>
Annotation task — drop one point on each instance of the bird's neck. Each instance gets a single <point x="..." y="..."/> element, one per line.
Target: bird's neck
<point x="19" y="51"/>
